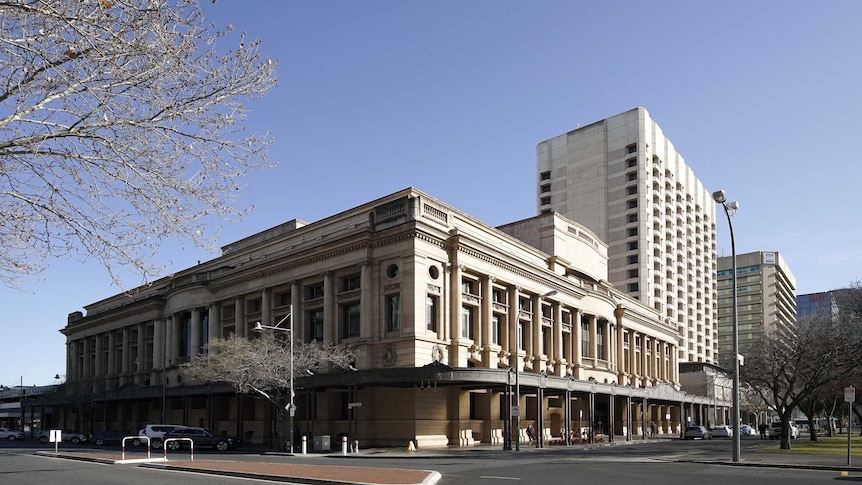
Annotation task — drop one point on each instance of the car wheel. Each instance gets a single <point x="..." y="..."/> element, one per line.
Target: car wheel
<point x="157" y="444"/>
<point x="173" y="445"/>
<point x="99" y="442"/>
<point x="136" y="442"/>
<point x="43" y="439"/>
<point x="75" y="440"/>
<point x="222" y="446"/>
<point x="12" y="437"/>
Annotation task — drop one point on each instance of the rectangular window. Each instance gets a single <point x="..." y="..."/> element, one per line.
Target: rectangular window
<point x="632" y="231"/>
<point x="350" y="320"/>
<point x="633" y="245"/>
<point x="315" y="325"/>
<point x="633" y="273"/>
<point x="632" y="148"/>
<point x="585" y="339"/>
<point x="313" y="292"/>
<point x="632" y="162"/>
<point x="522" y="343"/>
<point x="393" y="313"/>
<point x="546" y="201"/>
<point x="496" y="330"/>
<point x="632" y="218"/>
<point x="350" y="283"/>
<point x="632" y="204"/>
<point x="431" y="313"/>
<point x="546" y="175"/>
<point x="186" y="335"/>
<point x="546" y="188"/>
<point x="631" y="176"/>
<point x="633" y="287"/>
<point x="633" y="259"/>
<point x="467" y="322"/>
<point x="497" y="296"/>
<point x="468" y="287"/>
<point x="600" y="342"/>
<point x="632" y="190"/>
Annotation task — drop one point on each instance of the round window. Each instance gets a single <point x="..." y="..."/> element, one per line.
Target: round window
<point x="392" y="271"/>
<point x="434" y="272"/>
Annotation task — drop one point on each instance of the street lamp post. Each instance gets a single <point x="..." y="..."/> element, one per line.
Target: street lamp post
<point x="730" y="209"/>
<point x="291" y="408"/>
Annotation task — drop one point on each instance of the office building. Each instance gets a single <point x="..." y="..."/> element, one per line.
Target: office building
<point x="765" y="299"/>
<point x="622" y="178"/>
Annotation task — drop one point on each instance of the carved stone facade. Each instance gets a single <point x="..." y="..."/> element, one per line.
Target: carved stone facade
<point x="438" y="306"/>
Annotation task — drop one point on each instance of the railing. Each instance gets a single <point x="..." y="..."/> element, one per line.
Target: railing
<point x="136" y="438"/>
<point x="170" y="440"/>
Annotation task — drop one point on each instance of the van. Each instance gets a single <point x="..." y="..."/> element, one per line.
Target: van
<point x="775" y="431"/>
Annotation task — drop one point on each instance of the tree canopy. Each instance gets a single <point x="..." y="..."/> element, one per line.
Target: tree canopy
<point x="121" y="125"/>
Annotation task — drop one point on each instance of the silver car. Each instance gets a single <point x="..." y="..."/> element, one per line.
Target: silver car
<point x="11" y="434"/>
<point x="69" y="435"/>
<point x="693" y="432"/>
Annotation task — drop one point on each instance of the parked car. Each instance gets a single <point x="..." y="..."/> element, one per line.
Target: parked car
<point x="775" y="431"/>
<point x="202" y="438"/>
<point x="721" y="431"/>
<point x="11" y="434"/>
<point x="693" y="432"/>
<point x="155" y="432"/>
<point x="113" y="436"/>
<point x="746" y="430"/>
<point x="69" y="435"/>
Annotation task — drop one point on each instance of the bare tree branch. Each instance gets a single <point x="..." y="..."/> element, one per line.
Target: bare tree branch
<point x="121" y="125"/>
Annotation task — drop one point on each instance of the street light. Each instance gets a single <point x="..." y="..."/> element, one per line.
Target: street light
<point x="291" y="408"/>
<point x="730" y="209"/>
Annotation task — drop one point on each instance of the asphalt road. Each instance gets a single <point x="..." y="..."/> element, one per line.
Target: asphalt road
<point x="663" y="462"/>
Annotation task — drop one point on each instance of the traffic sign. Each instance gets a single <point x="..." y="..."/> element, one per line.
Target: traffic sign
<point x="850" y="394"/>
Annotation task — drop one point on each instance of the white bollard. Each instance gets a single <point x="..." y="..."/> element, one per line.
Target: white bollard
<point x="304" y="444"/>
<point x="344" y="445"/>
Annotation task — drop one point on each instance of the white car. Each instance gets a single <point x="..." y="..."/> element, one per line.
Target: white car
<point x="746" y="430"/>
<point x="722" y="431"/>
<point x="11" y="434"/>
<point x="775" y="431"/>
<point x="155" y="432"/>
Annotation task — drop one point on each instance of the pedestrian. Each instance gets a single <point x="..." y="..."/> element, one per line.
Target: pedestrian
<point x="652" y="429"/>
<point x="762" y="429"/>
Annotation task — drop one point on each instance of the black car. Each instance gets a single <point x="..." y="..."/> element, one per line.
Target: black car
<point x="202" y="438"/>
<point x="113" y="436"/>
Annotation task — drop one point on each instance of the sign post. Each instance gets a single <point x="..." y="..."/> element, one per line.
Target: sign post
<point x="849" y="398"/>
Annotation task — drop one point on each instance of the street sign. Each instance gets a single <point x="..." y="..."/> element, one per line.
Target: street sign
<point x="850" y="394"/>
<point x="352" y="405"/>
<point x="516" y="411"/>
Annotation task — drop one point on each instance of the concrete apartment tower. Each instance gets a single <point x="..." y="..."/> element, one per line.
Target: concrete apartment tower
<point x="623" y="179"/>
<point x="766" y="298"/>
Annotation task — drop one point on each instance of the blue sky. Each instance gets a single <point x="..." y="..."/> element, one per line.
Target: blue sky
<point x="760" y="97"/>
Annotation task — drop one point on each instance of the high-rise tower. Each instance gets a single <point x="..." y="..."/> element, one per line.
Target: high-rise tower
<point x="623" y="179"/>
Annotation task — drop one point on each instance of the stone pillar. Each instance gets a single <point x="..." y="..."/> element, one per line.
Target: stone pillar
<point x="142" y="355"/>
<point x="159" y="335"/>
<point x="112" y="353"/>
<point x="174" y="338"/>
<point x="330" y="316"/>
<point x="214" y="318"/>
<point x="619" y="360"/>
<point x="239" y="325"/>
<point x="534" y="348"/>
<point x="512" y="327"/>
<point x="126" y="356"/>
<point x="485" y="317"/>
<point x="577" y="337"/>
<point x="367" y="326"/>
<point x="195" y="334"/>
<point x="296" y="301"/>
<point x="645" y="344"/>
<point x="98" y="371"/>
<point x="594" y="344"/>
<point x="557" y="338"/>
<point x="455" y="352"/>
<point x="87" y="370"/>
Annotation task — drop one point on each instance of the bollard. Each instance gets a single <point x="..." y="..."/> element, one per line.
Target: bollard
<point x="356" y="446"/>
<point x="410" y="447"/>
<point x="304" y="444"/>
<point x="344" y="445"/>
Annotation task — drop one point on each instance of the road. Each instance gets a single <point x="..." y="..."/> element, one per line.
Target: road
<point x="663" y="461"/>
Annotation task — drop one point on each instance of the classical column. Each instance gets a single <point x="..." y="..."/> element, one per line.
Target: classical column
<point x="98" y="371"/>
<point x="141" y="358"/>
<point x="619" y="360"/>
<point x="214" y="319"/>
<point x="195" y="347"/>
<point x="266" y="307"/>
<point x="594" y="341"/>
<point x="173" y="333"/>
<point x="535" y="346"/>
<point x="87" y="374"/>
<point x="112" y="353"/>
<point x="577" y="337"/>
<point x="512" y="327"/>
<point x="645" y="345"/>
<point x="159" y="335"/>
<point x="366" y="305"/>
<point x="126" y="356"/>
<point x="239" y="326"/>
<point x="330" y="317"/>
<point x="557" y="338"/>
<point x="296" y="300"/>
<point x="455" y="314"/>
<point x="485" y="317"/>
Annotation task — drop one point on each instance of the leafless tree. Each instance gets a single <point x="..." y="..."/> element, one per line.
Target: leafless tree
<point x="788" y="369"/>
<point x="261" y="365"/>
<point x="121" y="125"/>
